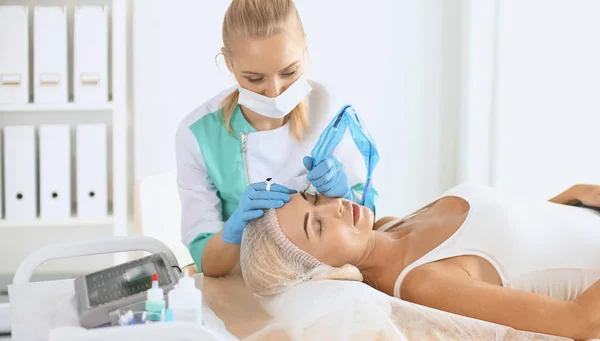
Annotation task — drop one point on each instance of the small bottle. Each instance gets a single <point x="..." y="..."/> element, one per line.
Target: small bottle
<point x="155" y="301"/>
<point x="185" y="301"/>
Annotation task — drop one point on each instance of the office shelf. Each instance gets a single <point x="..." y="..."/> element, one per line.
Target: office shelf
<point x="115" y="114"/>
<point x="46" y="223"/>
<point x="66" y="107"/>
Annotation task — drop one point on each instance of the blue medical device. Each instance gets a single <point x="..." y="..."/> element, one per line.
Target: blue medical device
<point x="333" y="135"/>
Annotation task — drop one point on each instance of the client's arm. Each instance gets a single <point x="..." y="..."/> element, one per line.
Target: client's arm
<point x="449" y="288"/>
<point x="588" y="195"/>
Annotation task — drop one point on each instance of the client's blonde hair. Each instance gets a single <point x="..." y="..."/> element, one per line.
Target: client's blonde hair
<point x="261" y="18"/>
<point x="271" y="263"/>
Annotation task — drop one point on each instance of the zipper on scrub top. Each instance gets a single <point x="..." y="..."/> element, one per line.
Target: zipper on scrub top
<point x="245" y="156"/>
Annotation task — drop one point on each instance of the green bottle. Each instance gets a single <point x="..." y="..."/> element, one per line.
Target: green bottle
<point x="155" y="301"/>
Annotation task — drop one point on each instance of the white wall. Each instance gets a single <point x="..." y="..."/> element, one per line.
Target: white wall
<point x="477" y="90"/>
<point x="396" y="61"/>
<point x="533" y="105"/>
<point x="548" y="96"/>
<point x="175" y="43"/>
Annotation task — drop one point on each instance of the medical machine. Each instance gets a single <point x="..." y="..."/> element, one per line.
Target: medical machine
<point x="64" y="310"/>
<point x="100" y="295"/>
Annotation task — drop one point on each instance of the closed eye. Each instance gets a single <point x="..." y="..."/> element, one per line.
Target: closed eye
<point x="255" y="80"/>
<point x="289" y="74"/>
<point x="307" y="216"/>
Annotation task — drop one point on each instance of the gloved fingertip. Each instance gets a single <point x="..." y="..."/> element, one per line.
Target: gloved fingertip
<point x="351" y="196"/>
<point x="308" y="162"/>
<point x="279" y="189"/>
<point x="292" y="191"/>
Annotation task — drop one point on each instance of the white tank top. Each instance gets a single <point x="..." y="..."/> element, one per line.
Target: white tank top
<point x="535" y="246"/>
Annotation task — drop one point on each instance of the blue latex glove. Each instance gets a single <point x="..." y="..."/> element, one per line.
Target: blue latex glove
<point x="253" y="201"/>
<point x="329" y="177"/>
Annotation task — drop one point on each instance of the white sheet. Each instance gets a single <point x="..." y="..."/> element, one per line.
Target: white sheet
<point x="324" y="310"/>
<point x="341" y="310"/>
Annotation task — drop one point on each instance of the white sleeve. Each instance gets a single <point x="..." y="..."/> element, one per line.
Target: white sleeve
<point x="200" y="205"/>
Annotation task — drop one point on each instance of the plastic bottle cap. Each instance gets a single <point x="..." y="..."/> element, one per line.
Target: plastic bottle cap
<point x="186" y="282"/>
<point x="155" y="294"/>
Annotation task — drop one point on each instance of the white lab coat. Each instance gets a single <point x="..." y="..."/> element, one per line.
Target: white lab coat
<point x="269" y="154"/>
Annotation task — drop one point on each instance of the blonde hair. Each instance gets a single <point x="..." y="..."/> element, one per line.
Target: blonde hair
<point x="261" y="18"/>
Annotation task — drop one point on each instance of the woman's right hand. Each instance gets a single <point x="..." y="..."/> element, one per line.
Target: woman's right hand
<point x="253" y="201"/>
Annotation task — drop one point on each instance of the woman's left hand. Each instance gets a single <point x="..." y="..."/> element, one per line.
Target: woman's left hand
<point x="329" y="177"/>
<point x="589" y="195"/>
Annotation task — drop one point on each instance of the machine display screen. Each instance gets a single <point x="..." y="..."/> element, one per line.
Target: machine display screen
<point x="125" y="280"/>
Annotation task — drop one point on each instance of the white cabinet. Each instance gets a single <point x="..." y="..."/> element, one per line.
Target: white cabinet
<point x="19" y="238"/>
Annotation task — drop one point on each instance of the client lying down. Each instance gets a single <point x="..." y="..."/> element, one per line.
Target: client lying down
<point x="475" y="251"/>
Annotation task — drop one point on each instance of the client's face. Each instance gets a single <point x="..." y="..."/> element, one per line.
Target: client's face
<point x="335" y="231"/>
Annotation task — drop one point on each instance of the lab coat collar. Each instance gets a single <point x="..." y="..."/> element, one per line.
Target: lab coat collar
<point x="239" y="123"/>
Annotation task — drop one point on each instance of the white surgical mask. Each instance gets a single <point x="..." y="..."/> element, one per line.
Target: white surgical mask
<point x="276" y="107"/>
